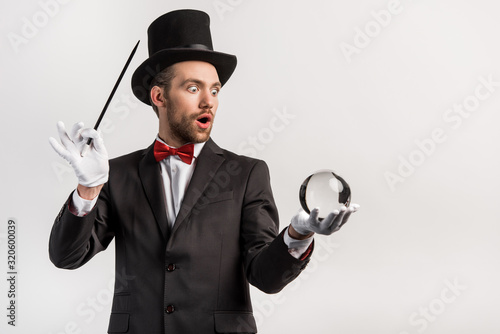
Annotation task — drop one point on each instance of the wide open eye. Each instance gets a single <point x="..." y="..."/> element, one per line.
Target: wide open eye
<point x="192" y="89"/>
<point x="214" y="92"/>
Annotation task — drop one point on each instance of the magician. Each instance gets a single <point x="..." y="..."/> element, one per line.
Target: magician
<point x="193" y="224"/>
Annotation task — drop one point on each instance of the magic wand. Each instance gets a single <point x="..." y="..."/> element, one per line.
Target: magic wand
<point x="84" y="151"/>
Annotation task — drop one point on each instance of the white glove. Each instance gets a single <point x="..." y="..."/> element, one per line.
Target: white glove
<point x="305" y="224"/>
<point x="93" y="168"/>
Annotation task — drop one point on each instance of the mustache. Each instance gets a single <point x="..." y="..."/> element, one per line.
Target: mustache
<point x="203" y="112"/>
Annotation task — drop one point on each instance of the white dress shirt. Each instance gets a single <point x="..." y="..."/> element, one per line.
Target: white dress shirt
<point x="176" y="176"/>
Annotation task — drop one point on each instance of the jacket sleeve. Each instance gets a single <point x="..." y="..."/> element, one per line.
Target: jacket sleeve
<point x="268" y="264"/>
<point x="75" y="240"/>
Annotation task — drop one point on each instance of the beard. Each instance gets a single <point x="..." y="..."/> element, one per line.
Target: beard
<point x="183" y="127"/>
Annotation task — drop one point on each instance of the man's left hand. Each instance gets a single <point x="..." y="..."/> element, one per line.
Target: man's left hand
<point x="306" y="224"/>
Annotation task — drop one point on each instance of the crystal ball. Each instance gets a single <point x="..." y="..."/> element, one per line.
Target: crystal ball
<point x="324" y="190"/>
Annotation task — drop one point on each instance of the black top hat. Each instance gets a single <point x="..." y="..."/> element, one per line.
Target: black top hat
<point x="179" y="36"/>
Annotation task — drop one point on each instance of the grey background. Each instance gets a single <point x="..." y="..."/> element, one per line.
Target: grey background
<point x="421" y="256"/>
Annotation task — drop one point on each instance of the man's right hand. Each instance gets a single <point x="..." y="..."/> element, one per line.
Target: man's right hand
<point x="92" y="169"/>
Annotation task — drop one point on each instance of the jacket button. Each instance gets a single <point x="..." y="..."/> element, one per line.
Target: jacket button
<point x="171" y="267"/>
<point x="169" y="309"/>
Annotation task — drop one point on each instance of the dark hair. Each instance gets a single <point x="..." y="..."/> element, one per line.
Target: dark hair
<point x="162" y="80"/>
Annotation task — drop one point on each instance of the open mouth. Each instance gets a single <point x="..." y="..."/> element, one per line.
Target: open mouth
<point x="204" y="121"/>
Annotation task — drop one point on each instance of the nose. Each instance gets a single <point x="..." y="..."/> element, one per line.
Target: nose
<point x="207" y="100"/>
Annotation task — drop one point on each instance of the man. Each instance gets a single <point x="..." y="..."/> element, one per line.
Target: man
<point x="193" y="223"/>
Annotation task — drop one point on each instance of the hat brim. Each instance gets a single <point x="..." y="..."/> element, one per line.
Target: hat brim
<point x="141" y="79"/>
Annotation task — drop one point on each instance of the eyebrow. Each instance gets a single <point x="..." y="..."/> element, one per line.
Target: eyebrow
<point x="201" y="83"/>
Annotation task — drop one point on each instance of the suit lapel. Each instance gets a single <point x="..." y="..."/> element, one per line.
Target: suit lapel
<point x="208" y="162"/>
<point x="150" y="175"/>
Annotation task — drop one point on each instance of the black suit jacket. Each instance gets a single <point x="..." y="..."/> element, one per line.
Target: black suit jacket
<point x="194" y="277"/>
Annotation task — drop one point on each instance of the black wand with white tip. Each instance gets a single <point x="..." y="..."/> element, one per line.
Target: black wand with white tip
<point x="110" y="97"/>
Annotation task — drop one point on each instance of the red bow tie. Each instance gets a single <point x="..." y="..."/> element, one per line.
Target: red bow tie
<point x="185" y="152"/>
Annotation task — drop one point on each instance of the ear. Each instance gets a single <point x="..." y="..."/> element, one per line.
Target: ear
<point x="157" y="96"/>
